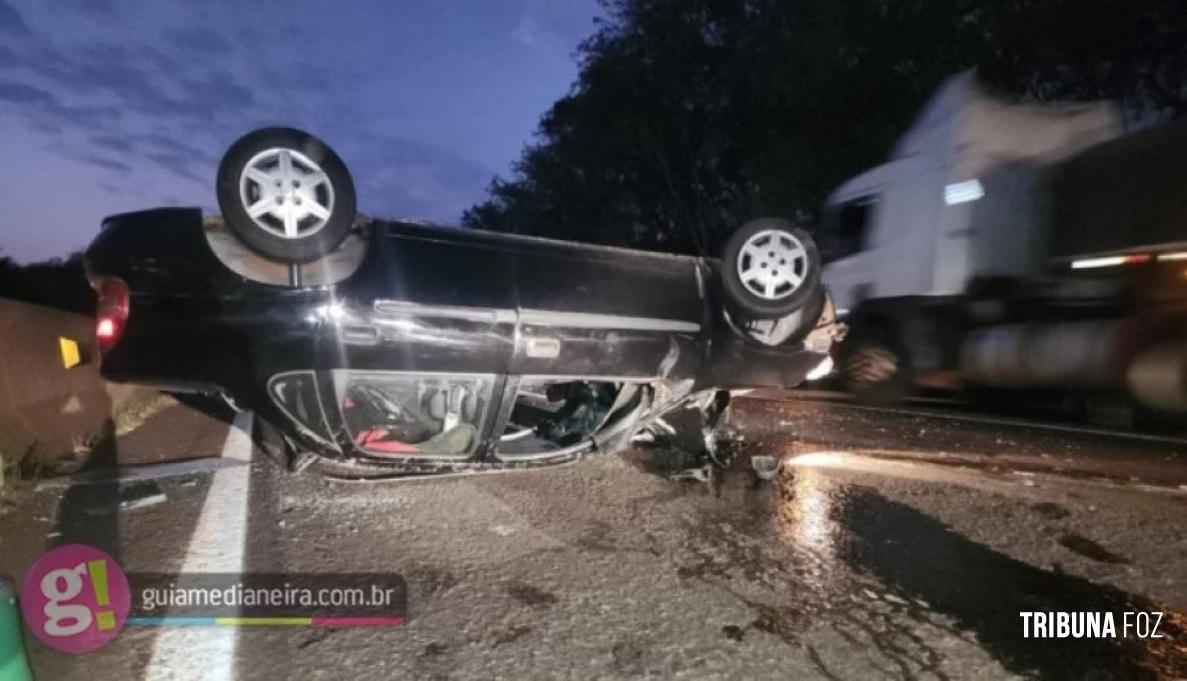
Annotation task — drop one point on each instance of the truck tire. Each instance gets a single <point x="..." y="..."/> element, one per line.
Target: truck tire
<point x="770" y="269"/>
<point x="875" y="369"/>
<point x="286" y="194"/>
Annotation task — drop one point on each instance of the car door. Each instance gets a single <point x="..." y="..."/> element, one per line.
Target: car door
<point x="418" y="343"/>
<point x="433" y="300"/>
<point x="605" y="312"/>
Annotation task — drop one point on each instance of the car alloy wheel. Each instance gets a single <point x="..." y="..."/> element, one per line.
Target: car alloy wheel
<point x="286" y="193"/>
<point x="772" y="264"/>
<point x="770" y="269"/>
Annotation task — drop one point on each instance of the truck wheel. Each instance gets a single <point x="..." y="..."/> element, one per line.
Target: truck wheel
<point x="286" y="194"/>
<point x="770" y="269"/>
<point x="875" y="372"/>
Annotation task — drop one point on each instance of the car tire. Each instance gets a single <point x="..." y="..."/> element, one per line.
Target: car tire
<point x="286" y="194"/>
<point x="788" y="254"/>
<point x="876" y="371"/>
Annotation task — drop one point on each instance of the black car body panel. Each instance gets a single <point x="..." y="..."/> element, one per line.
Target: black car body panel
<point x="428" y="301"/>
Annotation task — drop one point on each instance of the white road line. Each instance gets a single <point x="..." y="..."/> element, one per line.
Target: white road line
<point x="820" y="398"/>
<point x="217" y="545"/>
<point x="962" y="473"/>
<point x="1008" y="421"/>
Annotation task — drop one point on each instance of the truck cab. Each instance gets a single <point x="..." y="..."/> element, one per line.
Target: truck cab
<point x="878" y="229"/>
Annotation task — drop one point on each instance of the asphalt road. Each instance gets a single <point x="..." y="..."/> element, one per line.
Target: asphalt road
<point x="890" y="545"/>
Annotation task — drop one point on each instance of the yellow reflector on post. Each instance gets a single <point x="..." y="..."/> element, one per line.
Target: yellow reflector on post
<point x="71" y="357"/>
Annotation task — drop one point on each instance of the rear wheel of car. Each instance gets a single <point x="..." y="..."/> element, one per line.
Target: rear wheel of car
<point x="770" y="269"/>
<point x="875" y="370"/>
<point x="286" y="194"/>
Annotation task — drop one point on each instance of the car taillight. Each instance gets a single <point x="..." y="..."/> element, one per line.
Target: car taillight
<point x="111" y="314"/>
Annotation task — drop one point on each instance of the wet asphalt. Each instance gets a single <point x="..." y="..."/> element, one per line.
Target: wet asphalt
<point x="891" y="544"/>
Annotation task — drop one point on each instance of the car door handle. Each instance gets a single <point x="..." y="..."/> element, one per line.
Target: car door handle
<point x="543" y="348"/>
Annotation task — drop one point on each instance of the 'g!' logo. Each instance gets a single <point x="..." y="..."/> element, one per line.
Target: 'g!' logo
<point x="75" y="598"/>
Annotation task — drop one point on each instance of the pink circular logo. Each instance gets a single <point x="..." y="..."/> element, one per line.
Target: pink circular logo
<point x="75" y="598"/>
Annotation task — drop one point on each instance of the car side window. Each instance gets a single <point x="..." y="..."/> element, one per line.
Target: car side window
<point x="407" y="414"/>
<point x="551" y="414"/>
<point x="846" y="227"/>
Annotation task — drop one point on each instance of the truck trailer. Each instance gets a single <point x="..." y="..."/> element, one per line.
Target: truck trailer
<point x="1015" y="247"/>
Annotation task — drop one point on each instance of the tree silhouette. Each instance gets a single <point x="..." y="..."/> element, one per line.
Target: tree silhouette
<point x="691" y="116"/>
<point x="54" y="283"/>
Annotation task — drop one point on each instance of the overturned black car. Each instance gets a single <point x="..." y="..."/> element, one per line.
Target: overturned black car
<point x="379" y="347"/>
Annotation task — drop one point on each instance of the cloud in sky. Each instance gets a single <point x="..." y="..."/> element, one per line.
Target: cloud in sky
<point x="120" y="105"/>
<point x="11" y="21"/>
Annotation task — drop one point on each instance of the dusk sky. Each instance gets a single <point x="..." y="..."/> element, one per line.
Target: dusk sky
<point x="116" y="105"/>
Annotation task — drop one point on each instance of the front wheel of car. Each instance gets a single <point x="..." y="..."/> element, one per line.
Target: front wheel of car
<point x="286" y="194"/>
<point x="770" y="269"/>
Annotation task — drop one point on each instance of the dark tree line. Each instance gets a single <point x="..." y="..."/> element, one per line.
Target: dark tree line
<point x="54" y="283"/>
<point x="690" y="116"/>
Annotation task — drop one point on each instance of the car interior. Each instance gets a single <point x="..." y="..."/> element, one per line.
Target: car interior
<point x="398" y="415"/>
<point x="551" y="414"/>
<point x="401" y="415"/>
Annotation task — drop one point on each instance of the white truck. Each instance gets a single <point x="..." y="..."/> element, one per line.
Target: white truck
<point x="1015" y="246"/>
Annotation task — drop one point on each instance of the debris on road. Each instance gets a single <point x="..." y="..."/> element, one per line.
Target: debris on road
<point x="127" y="474"/>
<point x="138" y="412"/>
<point x="94" y="500"/>
<point x="764" y="466"/>
<point x="700" y="474"/>
<point x="141" y="501"/>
